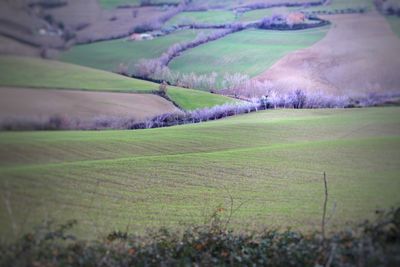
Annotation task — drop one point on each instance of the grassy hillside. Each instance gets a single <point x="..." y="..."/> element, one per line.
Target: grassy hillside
<point x="250" y="52"/>
<point x="108" y="55"/>
<point x="32" y="72"/>
<point x="271" y="161"/>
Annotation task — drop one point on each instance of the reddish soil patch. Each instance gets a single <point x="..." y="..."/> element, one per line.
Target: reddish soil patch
<point x="21" y="102"/>
<point x="358" y="55"/>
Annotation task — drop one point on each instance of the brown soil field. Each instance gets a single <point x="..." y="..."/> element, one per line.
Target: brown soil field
<point x="10" y="46"/>
<point x="84" y="19"/>
<point x="102" y="24"/>
<point x="358" y="55"/>
<point x="27" y="103"/>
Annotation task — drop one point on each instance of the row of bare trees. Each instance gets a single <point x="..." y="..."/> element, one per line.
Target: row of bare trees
<point x="266" y="5"/>
<point x="388" y="7"/>
<point x="151" y="68"/>
<point x="297" y="99"/>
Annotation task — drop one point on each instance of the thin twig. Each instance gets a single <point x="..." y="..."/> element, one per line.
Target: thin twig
<point x="232" y="209"/>
<point x="323" y="222"/>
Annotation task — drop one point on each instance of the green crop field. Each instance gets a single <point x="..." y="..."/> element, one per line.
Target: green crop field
<point x="225" y="16"/>
<point x="108" y="55"/>
<point x="32" y="72"/>
<point x="344" y="4"/>
<point x="115" y="3"/>
<point x="249" y="52"/>
<point x="258" y="14"/>
<point x="208" y="17"/>
<point x="270" y="162"/>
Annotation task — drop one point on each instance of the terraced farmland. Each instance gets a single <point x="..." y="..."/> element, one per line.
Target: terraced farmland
<point x="249" y="52"/>
<point x="271" y="161"/>
<point x="31" y="72"/>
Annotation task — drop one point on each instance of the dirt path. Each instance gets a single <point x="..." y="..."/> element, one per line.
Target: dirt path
<point x="22" y="102"/>
<point x="358" y="55"/>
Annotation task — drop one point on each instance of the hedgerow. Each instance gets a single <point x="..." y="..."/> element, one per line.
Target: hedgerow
<point x="368" y="244"/>
<point x="296" y="99"/>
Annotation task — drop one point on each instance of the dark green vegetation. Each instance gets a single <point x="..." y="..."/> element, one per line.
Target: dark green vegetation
<point x="270" y="162"/>
<point x="31" y="72"/>
<point x="374" y="243"/>
<point x="249" y="52"/>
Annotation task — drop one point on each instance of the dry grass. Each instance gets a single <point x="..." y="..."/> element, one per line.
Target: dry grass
<point x="358" y="55"/>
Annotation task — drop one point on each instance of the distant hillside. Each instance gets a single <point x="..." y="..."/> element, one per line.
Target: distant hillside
<point x="32" y="72"/>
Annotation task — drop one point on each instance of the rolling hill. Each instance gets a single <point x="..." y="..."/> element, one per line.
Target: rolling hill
<point x="271" y="162"/>
<point x="38" y="73"/>
<point x="248" y="52"/>
<point x="355" y="57"/>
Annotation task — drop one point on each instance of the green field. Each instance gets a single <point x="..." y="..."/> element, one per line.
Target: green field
<point x="249" y="52"/>
<point x="271" y="161"/>
<point x="207" y="17"/>
<point x="226" y="16"/>
<point x="394" y="22"/>
<point x="258" y="14"/>
<point x="32" y="72"/>
<point x="115" y="3"/>
<point x="108" y="55"/>
<point x="344" y="4"/>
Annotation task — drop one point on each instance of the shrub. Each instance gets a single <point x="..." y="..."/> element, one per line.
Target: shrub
<point x="374" y="243"/>
<point x="388" y="7"/>
<point x="163" y="88"/>
<point x="147" y="26"/>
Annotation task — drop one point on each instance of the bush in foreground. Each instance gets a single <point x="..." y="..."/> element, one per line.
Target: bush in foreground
<point x="370" y="244"/>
